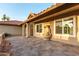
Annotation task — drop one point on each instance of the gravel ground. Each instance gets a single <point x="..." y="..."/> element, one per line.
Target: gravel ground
<point x="22" y="46"/>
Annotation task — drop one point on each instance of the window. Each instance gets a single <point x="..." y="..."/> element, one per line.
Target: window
<point x="64" y="26"/>
<point x="68" y="26"/>
<point x="39" y="28"/>
<point x="59" y="27"/>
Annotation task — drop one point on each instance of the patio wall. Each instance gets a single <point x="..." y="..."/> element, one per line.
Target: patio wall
<point x="13" y="30"/>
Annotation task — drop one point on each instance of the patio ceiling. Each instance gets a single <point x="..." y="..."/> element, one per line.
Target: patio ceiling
<point x="67" y="12"/>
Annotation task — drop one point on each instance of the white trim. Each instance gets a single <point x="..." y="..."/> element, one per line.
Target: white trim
<point x="74" y="27"/>
<point x="54" y="27"/>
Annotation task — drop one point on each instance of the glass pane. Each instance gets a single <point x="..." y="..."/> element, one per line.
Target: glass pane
<point x="59" y="27"/>
<point x="40" y="27"/>
<point x="68" y="26"/>
<point x="37" y="28"/>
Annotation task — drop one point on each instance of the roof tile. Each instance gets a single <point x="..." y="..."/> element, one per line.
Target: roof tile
<point x="16" y="23"/>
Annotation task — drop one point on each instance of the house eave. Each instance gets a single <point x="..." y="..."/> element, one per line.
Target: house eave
<point x="52" y="11"/>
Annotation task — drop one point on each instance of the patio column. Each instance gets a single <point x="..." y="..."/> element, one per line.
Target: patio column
<point x="78" y="28"/>
<point x="27" y="29"/>
<point x="23" y="27"/>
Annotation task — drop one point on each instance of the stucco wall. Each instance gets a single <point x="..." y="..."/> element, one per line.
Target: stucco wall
<point x="13" y="30"/>
<point x="62" y="38"/>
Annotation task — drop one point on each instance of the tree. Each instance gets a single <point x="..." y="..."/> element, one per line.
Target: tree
<point x="5" y="18"/>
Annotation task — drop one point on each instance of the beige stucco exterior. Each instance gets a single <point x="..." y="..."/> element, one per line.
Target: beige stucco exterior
<point x="57" y="37"/>
<point x="60" y="37"/>
<point x="65" y="13"/>
<point x="13" y="30"/>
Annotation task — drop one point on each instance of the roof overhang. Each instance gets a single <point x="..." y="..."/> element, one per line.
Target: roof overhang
<point x="54" y="11"/>
<point x="67" y="12"/>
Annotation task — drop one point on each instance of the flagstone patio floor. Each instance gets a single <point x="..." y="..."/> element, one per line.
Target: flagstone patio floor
<point x="22" y="46"/>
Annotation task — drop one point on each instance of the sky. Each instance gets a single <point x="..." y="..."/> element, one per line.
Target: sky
<point x="20" y="11"/>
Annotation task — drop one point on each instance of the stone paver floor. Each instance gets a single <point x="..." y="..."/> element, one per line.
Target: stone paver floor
<point x="22" y="46"/>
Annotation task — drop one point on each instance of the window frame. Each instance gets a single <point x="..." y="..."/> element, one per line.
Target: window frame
<point x="56" y="25"/>
<point x="39" y="28"/>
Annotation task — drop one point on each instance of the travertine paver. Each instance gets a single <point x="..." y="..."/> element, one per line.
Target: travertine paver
<point x="38" y="47"/>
